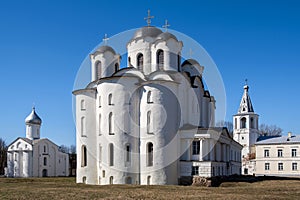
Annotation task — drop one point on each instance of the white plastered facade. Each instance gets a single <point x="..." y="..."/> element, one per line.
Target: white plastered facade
<point x="131" y="123"/>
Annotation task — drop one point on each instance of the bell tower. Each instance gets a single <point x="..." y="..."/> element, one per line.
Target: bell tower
<point x="245" y="125"/>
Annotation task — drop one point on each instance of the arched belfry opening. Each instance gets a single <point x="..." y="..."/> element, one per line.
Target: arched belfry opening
<point x="140" y="61"/>
<point x="160" y="59"/>
<point x="243" y="123"/>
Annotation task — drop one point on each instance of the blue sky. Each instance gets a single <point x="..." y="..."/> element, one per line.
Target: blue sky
<point x="43" y="42"/>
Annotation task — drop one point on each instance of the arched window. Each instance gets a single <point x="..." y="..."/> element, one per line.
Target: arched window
<point x="110" y="99"/>
<point x="149" y="97"/>
<point x="110" y="124"/>
<point x="129" y="61"/>
<point x="235" y="123"/>
<point x="251" y="122"/>
<point x="116" y="67"/>
<point x="243" y="122"/>
<point x="148" y="180"/>
<point x="82" y="130"/>
<point x="100" y="153"/>
<point x="99" y="101"/>
<point x="84" y="180"/>
<point x="111" y="180"/>
<point x="98" y="69"/>
<point x="127" y="150"/>
<point x="99" y="124"/>
<point x="82" y="105"/>
<point x="45" y="150"/>
<point x="45" y="161"/>
<point x="160" y="59"/>
<point x="83" y="156"/>
<point x="140" y="61"/>
<point x="111" y="154"/>
<point x="148" y="122"/>
<point x="44" y="173"/>
<point x="149" y="150"/>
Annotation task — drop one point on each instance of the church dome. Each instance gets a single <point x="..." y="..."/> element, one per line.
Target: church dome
<point x="166" y="35"/>
<point x="190" y="62"/>
<point x="33" y="118"/>
<point x="147" y="31"/>
<point x="103" y="49"/>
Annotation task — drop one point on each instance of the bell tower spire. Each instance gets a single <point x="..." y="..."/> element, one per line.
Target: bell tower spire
<point x="246" y="104"/>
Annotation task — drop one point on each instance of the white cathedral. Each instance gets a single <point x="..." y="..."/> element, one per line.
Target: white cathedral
<point x="152" y="122"/>
<point x="32" y="156"/>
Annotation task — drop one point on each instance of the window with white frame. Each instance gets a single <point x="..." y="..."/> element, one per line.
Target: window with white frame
<point x="195" y="171"/>
<point x="279" y="153"/>
<point x="280" y="166"/>
<point x="196" y="147"/>
<point x="294" y="152"/>
<point x="294" y="166"/>
<point x="267" y="166"/>
<point x="267" y="153"/>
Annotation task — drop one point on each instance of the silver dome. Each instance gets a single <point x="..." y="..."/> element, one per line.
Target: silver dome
<point x="33" y="118"/>
<point x="103" y="49"/>
<point x="147" y="31"/>
<point x="166" y="35"/>
<point x="190" y="62"/>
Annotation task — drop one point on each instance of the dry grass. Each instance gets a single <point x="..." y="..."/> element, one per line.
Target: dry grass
<point x="66" y="188"/>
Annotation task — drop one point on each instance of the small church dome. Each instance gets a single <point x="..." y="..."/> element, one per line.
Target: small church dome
<point x="147" y="31"/>
<point x="103" y="49"/>
<point x="33" y="118"/>
<point x="166" y="35"/>
<point x="190" y="62"/>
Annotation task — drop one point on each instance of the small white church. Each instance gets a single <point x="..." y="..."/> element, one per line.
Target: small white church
<point x="152" y="122"/>
<point x="32" y="156"/>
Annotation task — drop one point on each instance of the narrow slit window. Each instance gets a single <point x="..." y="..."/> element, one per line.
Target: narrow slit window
<point x="149" y="154"/>
<point x="160" y="59"/>
<point x="83" y="156"/>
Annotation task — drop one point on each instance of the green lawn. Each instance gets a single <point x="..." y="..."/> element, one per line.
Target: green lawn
<point x="66" y="188"/>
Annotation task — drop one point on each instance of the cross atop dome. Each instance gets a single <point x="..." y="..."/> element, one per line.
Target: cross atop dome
<point x="105" y="39"/>
<point x="148" y="18"/>
<point x="166" y="25"/>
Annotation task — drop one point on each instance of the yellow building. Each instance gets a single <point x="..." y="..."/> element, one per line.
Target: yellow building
<point x="278" y="156"/>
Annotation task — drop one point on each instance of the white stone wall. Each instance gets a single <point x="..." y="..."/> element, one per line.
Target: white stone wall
<point x="27" y="160"/>
<point x="86" y="136"/>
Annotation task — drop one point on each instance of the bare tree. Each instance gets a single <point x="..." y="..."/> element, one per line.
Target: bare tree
<point x="64" y="149"/>
<point x="3" y="154"/>
<point x="270" y="130"/>
<point x="72" y="149"/>
<point x="226" y="124"/>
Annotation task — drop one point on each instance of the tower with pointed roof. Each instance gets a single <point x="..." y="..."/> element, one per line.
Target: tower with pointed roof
<point x="245" y="126"/>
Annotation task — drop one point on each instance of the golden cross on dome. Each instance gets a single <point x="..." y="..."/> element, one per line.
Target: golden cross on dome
<point x="166" y="25"/>
<point x="148" y="18"/>
<point x="105" y="39"/>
